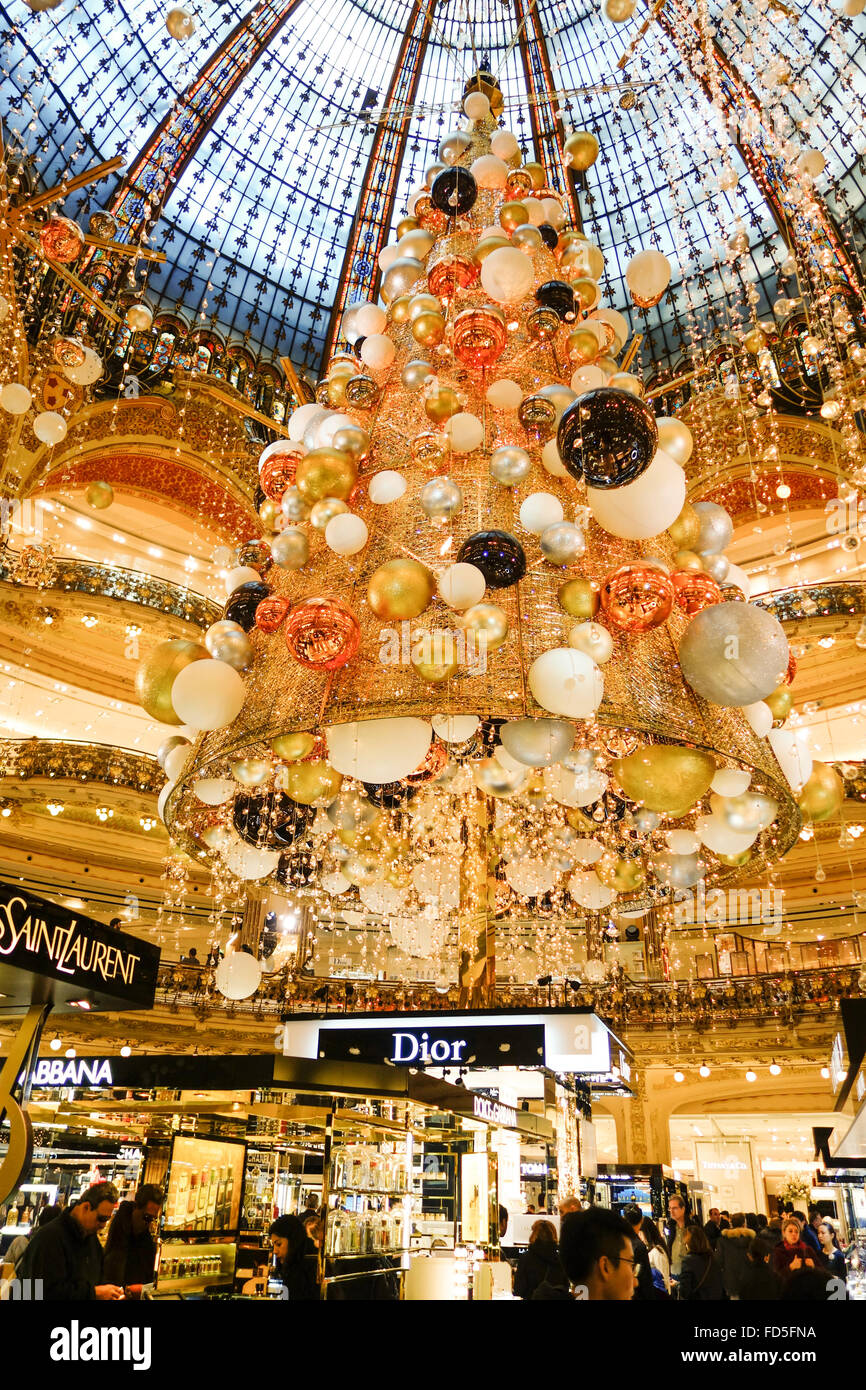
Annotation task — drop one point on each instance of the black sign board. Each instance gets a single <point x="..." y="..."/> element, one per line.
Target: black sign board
<point x="48" y="953"/>
<point x="447" y="1045"/>
<point x="246" y="1072"/>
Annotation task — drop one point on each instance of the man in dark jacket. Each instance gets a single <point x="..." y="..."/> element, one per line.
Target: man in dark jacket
<point x="679" y="1218"/>
<point x="713" y="1227"/>
<point x="66" y="1254"/>
<point x="732" y="1252"/>
<point x="645" y="1289"/>
<point x="809" y="1233"/>
<point x="130" y="1250"/>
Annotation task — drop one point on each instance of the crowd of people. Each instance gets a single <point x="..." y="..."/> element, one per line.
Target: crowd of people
<point x="600" y="1254"/>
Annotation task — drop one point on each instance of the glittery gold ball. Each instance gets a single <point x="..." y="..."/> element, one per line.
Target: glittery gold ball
<point x="400" y="589"/>
<point x="409" y="224"/>
<point x="582" y="346"/>
<point x="688" y="560"/>
<point x="157" y="673"/>
<point x="579" y="597"/>
<point x="513" y="215"/>
<point x="536" y="173"/>
<point x="269" y="513"/>
<point x="780" y="702"/>
<point x="488" y="624"/>
<point x="424" y="304"/>
<point x="623" y="875"/>
<point x="293" y="747"/>
<point x="580" y="150"/>
<point x="312" y="784"/>
<point x="822" y="795"/>
<point x="685" y="531"/>
<point x="325" y="473"/>
<point x="399" y="308"/>
<point x="490" y="244"/>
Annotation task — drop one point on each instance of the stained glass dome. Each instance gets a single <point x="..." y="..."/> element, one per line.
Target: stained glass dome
<point x="250" y="147"/>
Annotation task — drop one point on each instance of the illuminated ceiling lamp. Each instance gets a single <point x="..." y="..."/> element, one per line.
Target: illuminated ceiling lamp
<point x="703" y="1070"/>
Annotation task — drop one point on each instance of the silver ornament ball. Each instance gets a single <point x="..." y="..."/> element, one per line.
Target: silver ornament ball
<point x="537" y="742"/>
<point x="510" y="465"/>
<point x="293" y="506"/>
<point x="290" y="549"/>
<point x="593" y="640"/>
<point x="563" y="543"/>
<point x="717" y="529"/>
<point x="415" y="373"/>
<point x="440" y="499"/>
<point x="226" y="641"/>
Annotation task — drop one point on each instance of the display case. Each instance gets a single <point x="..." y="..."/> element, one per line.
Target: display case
<point x="371" y="1199"/>
<point x="205" y="1183"/>
<point x="185" y="1268"/>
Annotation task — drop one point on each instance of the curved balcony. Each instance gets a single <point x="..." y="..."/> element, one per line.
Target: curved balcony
<point x="107" y="581"/>
<point x="74" y="761"/>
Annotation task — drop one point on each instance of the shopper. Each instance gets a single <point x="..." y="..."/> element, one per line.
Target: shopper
<point x="20" y="1243"/>
<point x="658" y="1255"/>
<point x="569" y="1204"/>
<point x="645" y="1290"/>
<point x="792" y="1254"/>
<point x="297" y="1269"/>
<point x="540" y="1263"/>
<point x="596" y="1253"/>
<point x="772" y="1232"/>
<point x="833" y="1257"/>
<point x="732" y="1253"/>
<point x="700" y="1280"/>
<point x="679" y="1220"/>
<point x="759" y="1283"/>
<point x="809" y="1233"/>
<point x="130" y="1250"/>
<point x="712" y="1228"/>
<point x="66" y="1254"/>
<point x="503" y="1222"/>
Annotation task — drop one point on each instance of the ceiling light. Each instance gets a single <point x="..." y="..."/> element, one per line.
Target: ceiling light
<point x="703" y="1070"/>
<point x="54" y="807"/>
<point x="783" y="491"/>
<point x="70" y="1052"/>
<point x="104" y="813"/>
<point x="751" y="1075"/>
<point x="55" y="1044"/>
<point x="678" y="1076"/>
<point x="5" y="808"/>
<point x="775" y="1069"/>
<point x="825" y="1073"/>
<point x="126" y="1050"/>
<point x="89" y="619"/>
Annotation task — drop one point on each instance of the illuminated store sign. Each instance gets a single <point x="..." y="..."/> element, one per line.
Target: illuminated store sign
<point x="494" y="1112"/>
<point x="40" y="938"/>
<point x="569" y="1041"/>
<point x="87" y="1071"/>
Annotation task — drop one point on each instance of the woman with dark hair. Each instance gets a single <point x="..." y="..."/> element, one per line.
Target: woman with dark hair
<point x="835" y="1260"/>
<point x="759" y="1283"/>
<point x="297" y="1269"/>
<point x="700" y="1279"/>
<point x="540" y="1263"/>
<point x="658" y="1255"/>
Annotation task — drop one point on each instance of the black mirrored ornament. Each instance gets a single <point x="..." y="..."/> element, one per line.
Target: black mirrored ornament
<point x="243" y="602"/>
<point x="607" y="437"/>
<point x="499" y="556"/>
<point x="558" y="296"/>
<point x="454" y="191"/>
<point x="549" y="235"/>
<point x="390" y="795"/>
<point x="270" y="820"/>
<point x="297" y="870"/>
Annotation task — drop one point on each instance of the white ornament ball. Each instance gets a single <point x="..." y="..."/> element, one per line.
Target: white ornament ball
<point x="644" y="508"/>
<point x="386" y="487"/>
<point x="238" y="975"/>
<point x="588" y="378"/>
<point x="476" y="106"/>
<point x="346" y="534"/>
<point x="49" y="427"/>
<point x="208" y="698"/>
<point x="242" y="574"/>
<point x="301" y="419"/>
<point x="375" y="750"/>
<point x="88" y="371"/>
<point x="588" y="891"/>
<point x="214" y="791"/>
<point x="540" y="510"/>
<point x="565" y="682"/>
<point x="377" y="352"/>
<point x="461" y="586"/>
<point x="15" y="399"/>
<point x="551" y="460"/>
<point x="175" y="761"/>
<point x="504" y="145"/>
<point x="370" y="318"/>
<point x="683" y="842"/>
<point x="455" y="728"/>
<point x="507" y="275"/>
<point x="465" y="431"/>
<point x="504" y="395"/>
<point x="729" y="781"/>
<point x="489" y="172"/>
<point x="759" y="717"/>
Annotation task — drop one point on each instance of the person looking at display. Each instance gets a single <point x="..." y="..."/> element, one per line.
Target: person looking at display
<point x="658" y="1255"/>
<point x="130" y="1250"/>
<point x="645" y="1290"/>
<point x="596" y="1253"/>
<point x="792" y="1254"/>
<point x="835" y="1260"/>
<point x="66" y="1254"/>
<point x="540" y="1263"/>
<point x="297" y="1269"/>
<point x="503" y="1221"/>
<point x="809" y="1232"/>
<point x="679" y="1220"/>
<point x="732" y="1252"/>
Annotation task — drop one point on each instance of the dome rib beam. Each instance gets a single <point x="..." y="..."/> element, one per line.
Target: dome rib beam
<point x="359" y="273"/>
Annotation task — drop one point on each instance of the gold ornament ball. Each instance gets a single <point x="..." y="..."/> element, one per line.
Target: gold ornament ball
<point x="424" y="304"/>
<point x="158" y="672"/>
<point x="580" y="150"/>
<point x="513" y="214"/>
<point x="325" y="511"/>
<point x="269" y="514"/>
<point x="440" y="405"/>
<point x="312" y="784"/>
<point x="623" y="875"/>
<point x="99" y="495"/>
<point x="582" y="346"/>
<point x="489" y="619"/>
<point x="435" y="672"/>
<point x="409" y="224"/>
<point x="735" y="861"/>
<point x="664" y="778"/>
<point x="429" y="329"/>
<point x="822" y="795"/>
<point x="400" y="308"/>
<point x="688" y="560"/>
<point x="352" y="440"/>
<point x="685" y="531"/>
<point x="293" y="747"/>
<point x="754" y="341"/>
<point x="490" y="244"/>
<point x="780" y="702"/>
<point x="400" y="589"/>
<point x="579" y="597"/>
<point x="325" y="473"/>
<point x="536" y="173"/>
<point x="586" y="292"/>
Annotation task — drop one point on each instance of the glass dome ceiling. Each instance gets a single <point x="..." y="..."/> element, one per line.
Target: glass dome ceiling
<point x="246" y="147"/>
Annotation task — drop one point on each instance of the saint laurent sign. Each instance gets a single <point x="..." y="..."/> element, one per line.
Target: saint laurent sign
<point x="43" y="939"/>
